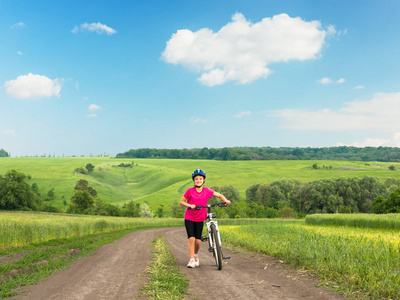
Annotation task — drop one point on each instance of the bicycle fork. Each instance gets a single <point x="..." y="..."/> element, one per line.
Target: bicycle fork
<point x="210" y="239"/>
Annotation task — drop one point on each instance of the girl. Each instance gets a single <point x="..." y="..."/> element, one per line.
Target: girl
<point x="194" y="219"/>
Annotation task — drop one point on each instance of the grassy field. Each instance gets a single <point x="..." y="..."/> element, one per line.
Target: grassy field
<point x="19" y="229"/>
<point x="163" y="181"/>
<point x="360" y="262"/>
<point x="386" y="221"/>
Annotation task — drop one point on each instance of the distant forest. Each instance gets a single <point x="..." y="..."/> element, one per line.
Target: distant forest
<point x="383" y="154"/>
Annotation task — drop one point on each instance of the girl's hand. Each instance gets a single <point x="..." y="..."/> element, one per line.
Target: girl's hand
<point x="192" y="206"/>
<point x="227" y="202"/>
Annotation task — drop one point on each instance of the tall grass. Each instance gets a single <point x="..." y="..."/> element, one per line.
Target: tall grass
<point x="386" y="221"/>
<point x="360" y="260"/>
<point x="18" y="229"/>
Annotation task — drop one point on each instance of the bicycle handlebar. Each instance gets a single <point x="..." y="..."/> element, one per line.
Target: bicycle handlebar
<point x="220" y="204"/>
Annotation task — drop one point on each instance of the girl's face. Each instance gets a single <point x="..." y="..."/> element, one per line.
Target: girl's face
<point x="198" y="180"/>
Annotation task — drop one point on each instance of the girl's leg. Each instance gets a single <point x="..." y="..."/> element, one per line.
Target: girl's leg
<point x="197" y="246"/>
<point x="197" y="233"/>
<point x="191" y="246"/>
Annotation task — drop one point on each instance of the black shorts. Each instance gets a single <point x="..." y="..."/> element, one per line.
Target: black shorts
<point x="194" y="229"/>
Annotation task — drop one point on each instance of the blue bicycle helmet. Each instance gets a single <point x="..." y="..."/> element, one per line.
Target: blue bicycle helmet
<point x="198" y="172"/>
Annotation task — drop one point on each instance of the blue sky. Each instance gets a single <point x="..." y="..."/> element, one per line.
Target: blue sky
<point x="95" y="77"/>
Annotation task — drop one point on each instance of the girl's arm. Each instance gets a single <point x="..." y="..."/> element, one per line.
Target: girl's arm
<point x="183" y="202"/>
<point x="222" y="197"/>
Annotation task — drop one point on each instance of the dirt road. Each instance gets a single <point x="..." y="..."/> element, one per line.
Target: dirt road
<point x="116" y="271"/>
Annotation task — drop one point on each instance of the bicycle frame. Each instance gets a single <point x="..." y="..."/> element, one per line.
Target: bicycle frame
<point x="211" y="221"/>
<point x="214" y="238"/>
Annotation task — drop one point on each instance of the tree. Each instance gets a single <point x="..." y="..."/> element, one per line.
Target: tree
<point x="379" y="205"/>
<point x="230" y="192"/>
<point x="50" y="195"/>
<point x="89" y="168"/>
<point x="251" y="193"/>
<point x="3" y="153"/>
<point x="35" y="189"/>
<point x="255" y="211"/>
<point x="131" y="209"/>
<point x="145" y="211"/>
<point x="393" y="202"/>
<point x="83" y="185"/>
<point x="82" y="202"/>
<point x="15" y="193"/>
<point x="160" y="211"/>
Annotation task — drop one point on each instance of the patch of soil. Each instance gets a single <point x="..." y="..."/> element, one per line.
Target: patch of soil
<point x="12" y="257"/>
<point x="73" y="252"/>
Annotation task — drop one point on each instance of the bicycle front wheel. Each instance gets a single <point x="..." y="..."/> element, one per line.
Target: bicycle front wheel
<point x="217" y="252"/>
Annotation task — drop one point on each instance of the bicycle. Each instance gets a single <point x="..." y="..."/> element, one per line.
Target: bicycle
<point x="214" y="239"/>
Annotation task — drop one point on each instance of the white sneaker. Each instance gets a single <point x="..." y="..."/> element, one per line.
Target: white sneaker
<point x="191" y="264"/>
<point x="196" y="261"/>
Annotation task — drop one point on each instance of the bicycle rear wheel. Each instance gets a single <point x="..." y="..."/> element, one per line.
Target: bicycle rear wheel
<point x="217" y="252"/>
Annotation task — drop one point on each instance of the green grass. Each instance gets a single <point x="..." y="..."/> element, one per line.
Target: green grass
<point x="360" y="261"/>
<point x="19" y="229"/>
<point x="165" y="279"/>
<point x="385" y="221"/>
<point x="163" y="181"/>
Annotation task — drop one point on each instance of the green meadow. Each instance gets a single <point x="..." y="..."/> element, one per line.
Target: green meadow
<point x="163" y="181"/>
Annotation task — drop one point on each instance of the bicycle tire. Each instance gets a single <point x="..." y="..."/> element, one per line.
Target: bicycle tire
<point x="217" y="252"/>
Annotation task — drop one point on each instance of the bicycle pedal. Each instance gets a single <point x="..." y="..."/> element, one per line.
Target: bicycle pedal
<point x="204" y="238"/>
<point x="227" y="257"/>
<point x="210" y="250"/>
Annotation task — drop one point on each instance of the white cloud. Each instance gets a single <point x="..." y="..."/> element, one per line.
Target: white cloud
<point x="327" y="80"/>
<point x="94" y="27"/>
<point x="33" y="87"/>
<point x="17" y="25"/>
<point x="198" y="120"/>
<point x="241" y="51"/>
<point x="394" y="141"/>
<point x="341" y="80"/>
<point x="243" y="114"/>
<point x="359" y="87"/>
<point x="19" y="53"/>
<point x="332" y="32"/>
<point x="8" y="131"/>
<point x="93" y="107"/>
<point x="378" y="114"/>
<point x="92" y="110"/>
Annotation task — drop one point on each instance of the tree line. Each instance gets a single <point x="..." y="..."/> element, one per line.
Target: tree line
<point x="383" y="154"/>
<point x="17" y="194"/>
<point x="281" y="198"/>
<point x="292" y="198"/>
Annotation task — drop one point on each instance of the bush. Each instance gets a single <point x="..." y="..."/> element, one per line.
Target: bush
<point x="287" y="213"/>
<point x="271" y="213"/>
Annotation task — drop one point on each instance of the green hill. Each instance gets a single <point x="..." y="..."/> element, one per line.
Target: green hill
<point x="163" y="181"/>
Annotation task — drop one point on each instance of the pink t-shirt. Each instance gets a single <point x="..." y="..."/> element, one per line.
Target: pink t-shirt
<point x="196" y="198"/>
